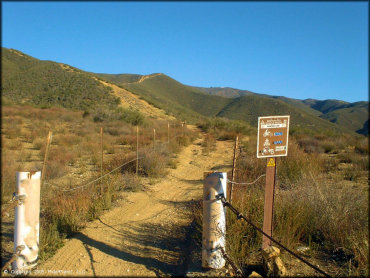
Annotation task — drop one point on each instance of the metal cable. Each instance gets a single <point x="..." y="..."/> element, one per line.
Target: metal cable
<point x="241" y="216"/>
<point x="246" y="183"/>
<point x="17" y="253"/>
<point x="16" y="200"/>
<point x="65" y="190"/>
<point x="5" y="212"/>
<point x="236" y="270"/>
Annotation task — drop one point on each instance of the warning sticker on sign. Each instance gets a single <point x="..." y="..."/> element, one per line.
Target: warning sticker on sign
<point x="271" y="162"/>
<point x="272" y="139"/>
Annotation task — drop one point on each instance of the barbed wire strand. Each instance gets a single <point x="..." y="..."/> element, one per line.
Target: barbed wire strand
<point x="246" y="183"/>
<point x="239" y="215"/>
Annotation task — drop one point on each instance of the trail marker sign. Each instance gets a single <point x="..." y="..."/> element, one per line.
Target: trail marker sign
<point x="272" y="138"/>
<point x="272" y="141"/>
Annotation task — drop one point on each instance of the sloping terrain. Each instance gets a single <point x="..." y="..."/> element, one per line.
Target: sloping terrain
<point x="194" y="102"/>
<point x="146" y="234"/>
<point x="45" y="83"/>
<point x="248" y="108"/>
<point x="352" y="116"/>
<point x="49" y="84"/>
<point x="132" y="101"/>
<point x="225" y="91"/>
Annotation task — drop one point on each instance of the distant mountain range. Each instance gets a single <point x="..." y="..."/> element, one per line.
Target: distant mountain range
<point x="28" y="80"/>
<point x="353" y="116"/>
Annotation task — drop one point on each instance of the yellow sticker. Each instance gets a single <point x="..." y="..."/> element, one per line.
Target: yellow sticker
<point x="271" y="162"/>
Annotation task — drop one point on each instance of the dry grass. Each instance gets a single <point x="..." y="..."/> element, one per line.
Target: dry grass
<point x="75" y="153"/>
<point x="315" y="205"/>
<point x="208" y="144"/>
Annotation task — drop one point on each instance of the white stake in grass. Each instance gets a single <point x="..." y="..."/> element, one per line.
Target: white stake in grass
<point x="214" y="221"/>
<point x="27" y="219"/>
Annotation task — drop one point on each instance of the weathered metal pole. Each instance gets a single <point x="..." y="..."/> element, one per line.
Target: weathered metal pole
<point x="27" y="220"/>
<point x="101" y="164"/>
<point x="46" y="156"/>
<point x="168" y="132"/>
<point x="137" y="149"/>
<point x="269" y="200"/>
<point x="233" y="172"/>
<point x="214" y="222"/>
<point x="153" y="137"/>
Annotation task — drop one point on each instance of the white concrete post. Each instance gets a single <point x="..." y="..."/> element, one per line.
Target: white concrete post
<point x="27" y="219"/>
<point x="214" y="221"/>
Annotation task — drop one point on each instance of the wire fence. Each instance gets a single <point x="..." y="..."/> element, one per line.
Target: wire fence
<point x="5" y="212"/>
<point x="18" y="201"/>
<point x="246" y="183"/>
<point x="240" y="216"/>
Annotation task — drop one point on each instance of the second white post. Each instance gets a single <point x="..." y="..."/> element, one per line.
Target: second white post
<point x="214" y="221"/>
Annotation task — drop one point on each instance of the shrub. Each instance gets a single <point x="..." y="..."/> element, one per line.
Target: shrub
<point x="131" y="182"/>
<point x="153" y="164"/>
<point x="208" y="144"/>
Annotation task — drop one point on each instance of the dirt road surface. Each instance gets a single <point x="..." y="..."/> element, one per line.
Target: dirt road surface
<point x="145" y="234"/>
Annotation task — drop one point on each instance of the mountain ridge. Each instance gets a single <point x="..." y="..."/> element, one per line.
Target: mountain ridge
<point x="45" y="82"/>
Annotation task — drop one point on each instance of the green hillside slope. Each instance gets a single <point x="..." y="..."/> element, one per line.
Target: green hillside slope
<point x="187" y="101"/>
<point x="326" y="106"/>
<point x="224" y="91"/>
<point x="351" y="116"/>
<point x="176" y="98"/>
<point x="249" y="108"/>
<point x="45" y="83"/>
<point x="119" y="78"/>
<point x="235" y="93"/>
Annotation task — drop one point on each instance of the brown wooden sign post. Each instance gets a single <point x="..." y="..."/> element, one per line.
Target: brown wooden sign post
<point x="272" y="141"/>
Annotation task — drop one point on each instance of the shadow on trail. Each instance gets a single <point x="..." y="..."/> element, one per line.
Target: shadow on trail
<point x="7" y="237"/>
<point x="221" y="167"/>
<point x="161" y="247"/>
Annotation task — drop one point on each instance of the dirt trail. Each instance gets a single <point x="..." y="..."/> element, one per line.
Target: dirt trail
<point x="145" y="235"/>
<point x="130" y="100"/>
<point x="146" y="77"/>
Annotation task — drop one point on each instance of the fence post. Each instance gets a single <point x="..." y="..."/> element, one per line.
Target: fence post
<point x="27" y="219"/>
<point x="153" y="137"/>
<point x="168" y="132"/>
<point x="101" y="164"/>
<point x="269" y="200"/>
<point x="137" y="149"/>
<point x="214" y="222"/>
<point x="233" y="172"/>
<point x="46" y="156"/>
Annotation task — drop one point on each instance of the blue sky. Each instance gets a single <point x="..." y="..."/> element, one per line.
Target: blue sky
<point x="295" y="49"/>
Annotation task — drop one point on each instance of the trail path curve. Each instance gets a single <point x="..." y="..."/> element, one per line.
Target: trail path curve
<point x="145" y="234"/>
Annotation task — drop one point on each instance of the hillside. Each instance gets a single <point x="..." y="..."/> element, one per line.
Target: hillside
<point x="45" y="83"/>
<point x="351" y="116"/>
<point x="224" y="91"/>
<point x="168" y="94"/>
<point x="187" y="101"/>
<point x="248" y="108"/>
